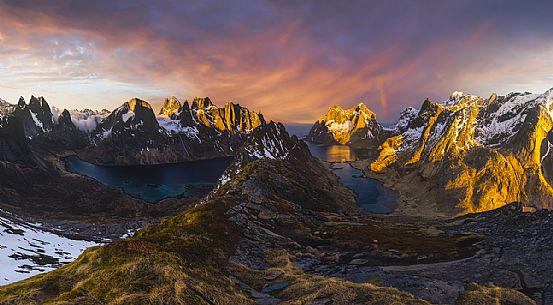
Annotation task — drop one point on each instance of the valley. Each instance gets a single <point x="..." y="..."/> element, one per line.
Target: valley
<point x="270" y="152"/>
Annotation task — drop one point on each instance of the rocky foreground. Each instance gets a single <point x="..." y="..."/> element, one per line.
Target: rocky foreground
<point x="281" y="229"/>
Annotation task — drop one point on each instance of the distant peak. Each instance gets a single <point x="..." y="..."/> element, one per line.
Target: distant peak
<point x="171" y="106"/>
<point x="21" y="103"/>
<point x="456" y="94"/>
<point x="136" y="102"/>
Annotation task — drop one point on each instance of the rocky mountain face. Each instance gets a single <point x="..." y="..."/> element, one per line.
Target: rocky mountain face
<point x="231" y="118"/>
<point x="356" y="127"/>
<point x="270" y="141"/>
<point x="130" y="134"/>
<point x="36" y="116"/>
<point x="284" y="230"/>
<point x="471" y="154"/>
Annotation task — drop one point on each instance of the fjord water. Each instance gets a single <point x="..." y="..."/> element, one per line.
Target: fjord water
<point x="372" y="195"/>
<point x="155" y="182"/>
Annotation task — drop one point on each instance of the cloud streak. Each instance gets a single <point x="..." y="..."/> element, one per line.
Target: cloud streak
<point x="291" y="60"/>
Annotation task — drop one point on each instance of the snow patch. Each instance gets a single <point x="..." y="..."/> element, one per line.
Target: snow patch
<point x="26" y="250"/>
<point x="128" y="115"/>
<point x="38" y="123"/>
<point x="174" y="127"/>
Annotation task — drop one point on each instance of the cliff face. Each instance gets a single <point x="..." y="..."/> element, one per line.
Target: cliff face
<point x="478" y="154"/>
<point x="230" y="118"/>
<point x="356" y="127"/>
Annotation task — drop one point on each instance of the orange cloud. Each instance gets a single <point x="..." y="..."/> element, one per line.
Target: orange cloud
<point x="290" y="63"/>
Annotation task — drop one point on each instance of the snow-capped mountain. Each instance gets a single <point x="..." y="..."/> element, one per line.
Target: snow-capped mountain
<point x="133" y="134"/>
<point x="477" y="154"/>
<point x="270" y="141"/>
<point x="27" y="250"/>
<point x="347" y="126"/>
<point x="36" y="116"/>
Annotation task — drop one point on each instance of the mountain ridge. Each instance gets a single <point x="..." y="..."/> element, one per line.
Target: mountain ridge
<point x="473" y="154"/>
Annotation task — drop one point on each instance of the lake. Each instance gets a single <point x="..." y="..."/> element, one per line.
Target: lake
<point x="155" y="182"/>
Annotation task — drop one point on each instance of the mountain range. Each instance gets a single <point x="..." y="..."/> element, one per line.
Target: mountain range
<point x="133" y="134"/>
<point x="279" y="227"/>
<point x="467" y="154"/>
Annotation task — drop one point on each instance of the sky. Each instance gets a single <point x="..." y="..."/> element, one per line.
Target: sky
<point x="291" y="60"/>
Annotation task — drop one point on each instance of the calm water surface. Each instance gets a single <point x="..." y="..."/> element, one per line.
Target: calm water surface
<point x="155" y="182"/>
<point x="372" y="195"/>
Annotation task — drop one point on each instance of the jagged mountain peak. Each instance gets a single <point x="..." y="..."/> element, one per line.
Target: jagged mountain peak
<point x="37" y="117"/>
<point x="272" y="141"/>
<point x="135" y="103"/>
<point x="459" y="98"/>
<point x="171" y="106"/>
<point x="340" y="115"/>
<point x="21" y="103"/>
<point x="201" y="103"/>
<point x="346" y="126"/>
<point x="405" y="118"/>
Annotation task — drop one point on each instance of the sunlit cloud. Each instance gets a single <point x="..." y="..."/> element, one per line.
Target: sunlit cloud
<point x="291" y="60"/>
